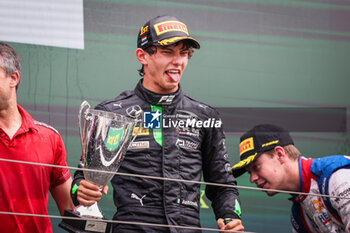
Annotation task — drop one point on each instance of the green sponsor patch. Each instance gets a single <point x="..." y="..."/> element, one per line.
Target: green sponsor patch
<point x="238" y="208"/>
<point x="113" y="138"/>
<point x="74" y="189"/>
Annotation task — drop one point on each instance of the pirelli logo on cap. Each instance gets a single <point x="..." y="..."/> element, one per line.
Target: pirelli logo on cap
<point x="169" y="26"/>
<point x="246" y="145"/>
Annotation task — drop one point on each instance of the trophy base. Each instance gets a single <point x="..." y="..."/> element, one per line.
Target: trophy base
<point x="83" y="226"/>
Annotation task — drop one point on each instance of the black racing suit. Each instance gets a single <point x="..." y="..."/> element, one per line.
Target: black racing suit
<point x="177" y="151"/>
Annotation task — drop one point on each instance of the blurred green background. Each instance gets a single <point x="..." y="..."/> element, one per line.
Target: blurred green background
<point x="255" y="55"/>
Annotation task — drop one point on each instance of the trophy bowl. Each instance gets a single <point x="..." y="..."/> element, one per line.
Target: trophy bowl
<point x="105" y="137"/>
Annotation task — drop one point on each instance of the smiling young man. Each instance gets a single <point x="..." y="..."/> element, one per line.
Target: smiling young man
<point x="268" y="153"/>
<point x="176" y="152"/>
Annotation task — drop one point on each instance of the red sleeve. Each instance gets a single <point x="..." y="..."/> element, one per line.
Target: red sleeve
<point x="59" y="175"/>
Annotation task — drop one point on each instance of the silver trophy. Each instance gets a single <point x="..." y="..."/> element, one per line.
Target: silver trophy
<point x="105" y="137"/>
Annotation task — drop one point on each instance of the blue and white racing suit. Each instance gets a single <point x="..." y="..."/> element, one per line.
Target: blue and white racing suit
<point x="328" y="175"/>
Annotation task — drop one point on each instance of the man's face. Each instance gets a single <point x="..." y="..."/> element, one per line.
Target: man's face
<point x="4" y="88"/>
<point x="266" y="172"/>
<point x="164" y="68"/>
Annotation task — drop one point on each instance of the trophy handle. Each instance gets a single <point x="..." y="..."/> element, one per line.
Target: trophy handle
<point x="84" y="107"/>
<point x="139" y="120"/>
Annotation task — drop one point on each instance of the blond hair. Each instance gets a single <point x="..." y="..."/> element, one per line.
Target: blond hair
<point x="292" y="152"/>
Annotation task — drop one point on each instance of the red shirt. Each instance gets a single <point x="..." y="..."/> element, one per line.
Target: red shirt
<point x="24" y="188"/>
